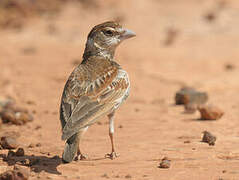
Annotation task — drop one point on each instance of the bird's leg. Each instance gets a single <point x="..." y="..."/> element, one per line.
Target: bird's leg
<point x="113" y="154"/>
<point x="80" y="156"/>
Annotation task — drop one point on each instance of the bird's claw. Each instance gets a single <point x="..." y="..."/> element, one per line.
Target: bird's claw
<point x="112" y="155"/>
<point x="81" y="157"/>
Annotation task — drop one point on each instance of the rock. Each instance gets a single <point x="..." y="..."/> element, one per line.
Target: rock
<point x="190" y="96"/>
<point x="23" y="117"/>
<point x="120" y="126"/>
<point x="8" y="142"/>
<point x="7" y="175"/>
<point x="18" y="173"/>
<point x="209" y="138"/>
<point x="38" y="144"/>
<point x="20" y="152"/>
<point x="18" y="118"/>
<point x="165" y="163"/>
<point x="8" y="116"/>
<point x="209" y="112"/>
<point x="22" y="172"/>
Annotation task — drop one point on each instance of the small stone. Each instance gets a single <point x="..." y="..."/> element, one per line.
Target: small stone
<point x="120" y="126"/>
<point x="27" y="162"/>
<point x="209" y="138"/>
<point x="128" y="176"/>
<point x="187" y="141"/>
<point x="22" y="117"/>
<point x="224" y="171"/>
<point x="8" y="116"/>
<point x="7" y="175"/>
<point x="165" y="163"/>
<point x="8" y="142"/>
<point x="209" y="112"/>
<point x="188" y="95"/>
<point x="38" y="145"/>
<point x="20" y="152"/>
<point x="22" y="173"/>
<point x="18" y="173"/>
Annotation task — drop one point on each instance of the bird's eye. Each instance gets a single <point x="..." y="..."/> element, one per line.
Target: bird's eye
<point x="108" y="33"/>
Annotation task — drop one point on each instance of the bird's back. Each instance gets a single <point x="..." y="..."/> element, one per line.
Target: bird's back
<point x="94" y="88"/>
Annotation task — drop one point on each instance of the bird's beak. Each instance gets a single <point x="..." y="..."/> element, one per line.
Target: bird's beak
<point x="126" y="34"/>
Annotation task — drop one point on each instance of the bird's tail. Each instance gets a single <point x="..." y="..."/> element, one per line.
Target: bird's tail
<point x="70" y="149"/>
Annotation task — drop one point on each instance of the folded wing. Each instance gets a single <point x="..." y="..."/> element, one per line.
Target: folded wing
<point x="83" y="102"/>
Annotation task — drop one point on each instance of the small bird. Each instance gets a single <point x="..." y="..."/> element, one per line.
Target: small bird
<point x="96" y="87"/>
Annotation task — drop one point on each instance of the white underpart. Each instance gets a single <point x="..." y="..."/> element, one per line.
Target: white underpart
<point x="123" y="74"/>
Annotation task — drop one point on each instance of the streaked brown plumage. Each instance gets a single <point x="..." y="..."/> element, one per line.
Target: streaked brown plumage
<point x="95" y="88"/>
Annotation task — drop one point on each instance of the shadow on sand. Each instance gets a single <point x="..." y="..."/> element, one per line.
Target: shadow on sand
<point x="36" y="163"/>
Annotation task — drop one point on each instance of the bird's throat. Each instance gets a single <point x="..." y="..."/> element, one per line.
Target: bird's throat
<point x="94" y="49"/>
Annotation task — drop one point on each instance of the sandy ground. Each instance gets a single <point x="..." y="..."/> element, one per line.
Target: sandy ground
<point x="36" y="61"/>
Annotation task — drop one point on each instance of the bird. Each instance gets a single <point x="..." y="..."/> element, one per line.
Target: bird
<point x="95" y="88"/>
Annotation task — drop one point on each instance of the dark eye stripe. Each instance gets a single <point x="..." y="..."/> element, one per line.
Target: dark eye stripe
<point x="108" y="32"/>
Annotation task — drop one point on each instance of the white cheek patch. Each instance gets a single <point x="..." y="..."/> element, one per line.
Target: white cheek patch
<point x="113" y="41"/>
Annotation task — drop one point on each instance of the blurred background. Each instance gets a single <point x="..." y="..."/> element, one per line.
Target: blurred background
<point x="178" y="43"/>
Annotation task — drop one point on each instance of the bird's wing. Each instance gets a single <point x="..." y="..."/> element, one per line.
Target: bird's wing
<point x="83" y="102"/>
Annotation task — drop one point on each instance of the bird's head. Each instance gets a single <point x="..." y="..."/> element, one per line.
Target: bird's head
<point x="104" y="38"/>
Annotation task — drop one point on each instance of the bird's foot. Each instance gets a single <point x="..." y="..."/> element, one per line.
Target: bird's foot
<point x="112" y="155"/>
<point x="81" y="157"/>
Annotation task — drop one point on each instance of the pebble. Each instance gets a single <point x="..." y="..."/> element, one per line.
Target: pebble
<point x="210" y="112"/>
<point x="191" y="98"/>
<point x="11" y="113"/>
<point x="209" y="138"/>
<point x="20" y="152"/>
<point x="8" y="142"/>
<point x="18" y="173"/>
<point x="165" y="163"/>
